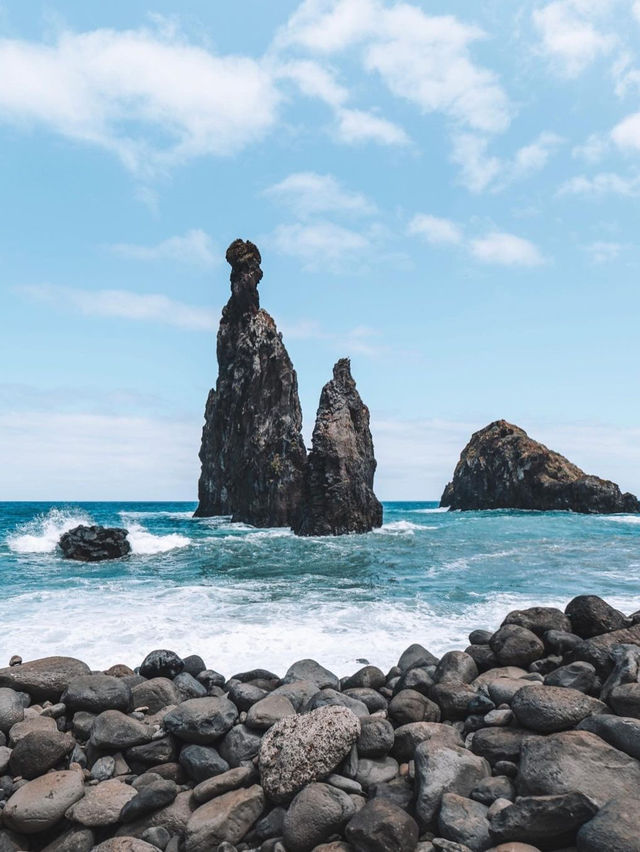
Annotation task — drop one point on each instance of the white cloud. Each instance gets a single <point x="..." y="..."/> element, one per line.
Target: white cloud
<point x="80" y="456"/>
<point x="570" y="33"/>
<point x="314" y="81"/>
<point x="124" y="304"/>
<point x="479" y="169"/>
<point x="603" y="252"/>
<point x="626" y="134"/>
<point x="360" y="340"/>
<point x="593" y="149"/>
<point x="194" y="247"/>
<point x="533" y="157"/>
<point x="636" y="10"/>
<point x="604" y="183"/>
<point x="421" y="58"/>
<point x="356" y="126"/>
<point x="148" y="96"/>
<point x="320" y="245"/>
<point x="307" y="193"/>
<point x="435" y="230"/>
<point x="505" y="250"/>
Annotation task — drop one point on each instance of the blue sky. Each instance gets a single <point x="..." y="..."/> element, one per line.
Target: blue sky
<point x="446" y="192"/>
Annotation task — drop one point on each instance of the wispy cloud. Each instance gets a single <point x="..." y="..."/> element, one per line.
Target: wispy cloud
<point x="320" y="245"/>
<point x="573" y="33"/>
<point x="603" y="252"/>
<point x="603" y="183"/>
<point x="309" y="193"/>
<point x="506" y="250"/>
<point x="360" y="340"/>
<point x="626" y="134"/>
<point x="355" y="126"/>
<point x="195" y="247"/>
<point x="123" y="304"/>
<point x="435" y="230"/>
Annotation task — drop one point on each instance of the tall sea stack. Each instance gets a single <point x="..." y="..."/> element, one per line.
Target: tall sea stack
<point x="338" y="493"/>
<point x="252" y="450"/>
<point x="503" y="468"/>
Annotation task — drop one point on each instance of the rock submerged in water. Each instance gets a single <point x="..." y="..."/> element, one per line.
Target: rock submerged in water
<point x="252" y="451"/>
<point x="503" y="468"/>
<point x="430" y="756"/>
<point x="94" y="544"/>
<point x="337" y="496"/>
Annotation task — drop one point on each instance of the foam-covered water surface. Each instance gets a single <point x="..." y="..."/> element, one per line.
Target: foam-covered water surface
<point x="244" y="597"/>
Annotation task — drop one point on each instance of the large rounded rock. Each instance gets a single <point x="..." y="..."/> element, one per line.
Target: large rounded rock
<point x="579" y="675"/>
<point x="369" y="677"/>
<point x="408" y="737"/>
<point x="551" y="708"/>
<point x="516" y="646"/>
<point x="40" y="804"/>
<point x="156" y="694"/>
<point x="125" y="844"/>
<point x="161" y="663"/>
<point x="416" y="656"/>
<point x="101" y="805"/>
<point x="616" y="827"/>
<point x="591" y="616"/>
<point x="331" y="697"/>
<point x="316" y="812"/>
<point x="498" y="744"/>
<point x="38" y="752"/>
<point x="75" y="840"/>
<point x="11" y="709"/>
<point x="411" y="706"/>
<point x="45" y="679"/>
<point x="310" y="670"/>
<point x="622" y="733"/>
<point x="539" y="619"/>
<point x="381" y="826"/>
<point x="225" y="818"/>
<point x="149" y="799"/>
<point x="202" y="762"/>
<point x="376" y="737"/>
<point x="575" y="761"/>
<point x="443" y="769"/>
<point x="240" y="745"/>
<point x="543" y="820"/>
<point x="625" y="700"/>
<point x="113" y="730"/>
<point x="456" y="667"/>
<point x="301" y="749"/>
<point x="94" y="543"/>
<point x="201" y="720"/>
<point x="266" y="712"/>
<point x="96" y="693"/>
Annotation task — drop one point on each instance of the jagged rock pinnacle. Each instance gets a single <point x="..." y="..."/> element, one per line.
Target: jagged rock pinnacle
<point x="338" y="493"/>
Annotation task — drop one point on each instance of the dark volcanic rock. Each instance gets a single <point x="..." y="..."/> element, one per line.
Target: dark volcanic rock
<point x="503" y="468"/>
<point x="94" y="544"/>
<point x="45" y="679"/>
<point x="338" y="493"/>
<point x="252" y="450"/>
<point x="615" y="827"/>
<point x="591" y="616"/>
<point x="543" y="820"/>
<point x="381" y="826"/>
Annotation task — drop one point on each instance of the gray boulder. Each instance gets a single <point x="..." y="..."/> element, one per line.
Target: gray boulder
<point x="316" y="812"/>
<point x="11" y="709"/>
<point x="156" y="693"/>
<point x="240" y="745"/>
<point x="591" y="616"/>
<point x="615" y="828"/>
<point x="381" y="826"/>
<point x="95" y="693"/>
<point x="202" y="762"/>
<point x="516" y="646"/>
<point x="545" y="821"/>
<point x="464" y="821"/>
<point x="407" y="737"/>
<point x="444" y="769"/>
<point x="310" y="670"/>
<point x="266" y="712"/>
<point x="113" y="731"/>
<point x="40" y="804"/>
<point x="620" y="732"/>
<point x="546" y="709"/>
<point x="45" y="679"/>
<point x="625" y="700"/>
<point x="579" y="675"/>
<point x="201" y="720"/>
<point x="226" y="818"/>
<point x="539" y="619"/>
<point x="38" y="752"/>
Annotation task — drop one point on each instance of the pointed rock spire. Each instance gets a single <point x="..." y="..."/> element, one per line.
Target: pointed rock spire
<point x="338" y="493"/>
<point x="252" y="451"/>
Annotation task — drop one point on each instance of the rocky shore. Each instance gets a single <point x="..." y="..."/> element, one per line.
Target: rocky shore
<point x="529" y="739"/>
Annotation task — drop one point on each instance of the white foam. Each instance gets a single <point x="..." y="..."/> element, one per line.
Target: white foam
<point x="144" y="542"/>
<point x="178" y="516"/>
<point x="622" y="519"/>
<point x="428" y="511"/>
<point x="41" y="535"/>
<point x="400" y="528"/>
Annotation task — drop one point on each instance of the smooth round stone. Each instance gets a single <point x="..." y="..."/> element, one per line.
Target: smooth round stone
<point x="317" y="812"/>
<point x="201" y="720"/>
<point x="112" y="730"/>
<point x="95" y="693"/>
<point x="40" y="804"/>
<point x="161" y="664"/>
<point x="202" y="762"/>
<point x="376" y="737"/>
<point x="38" y="752"/>
<point x="11" y="709"/>
<point x="266" y="712"/>
<point x="101" y="805"/>
<point x="381" y="826"/>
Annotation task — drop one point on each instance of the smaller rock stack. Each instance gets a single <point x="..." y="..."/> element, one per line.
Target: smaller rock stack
<point x="529" y="736"/>
<point x="337" y="494"/>
<point x="503" y="468"/>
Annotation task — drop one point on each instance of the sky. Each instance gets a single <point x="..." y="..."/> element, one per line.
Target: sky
<point x="446" y="192"/>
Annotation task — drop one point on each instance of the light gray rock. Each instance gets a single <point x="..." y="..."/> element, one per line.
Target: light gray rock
<point x="313" y="671"/>
<point x="101" y="805"/>
<point x="375" y="770"/>
<point x="456" y="667"/>
<point x="240" y="745"/>
<point x="443" y="769"/>
<point x="316" y="812"/>
<point x="29" y="725"/>
<point x="301" y="749"/>
<point x="11" y="709"/>
<point x="156" y="693"/>
<point x="625" y="700"/>
<point x="241" y="776"/>
<point x="45" y="679"/>
<point x="408" y="706"/>
<point x="615" y="828"/>
<point x="225" y="818"/>
<point x="42" y="803"/>
<point x="407" y="737"/>
<point x="125" y="844"/>
<point x="376" y="737"/>
<point x="265" y="713"/>
<point x="331" y="697"/>
<point x="579" y="675"/>
<point x="114" y="731"/>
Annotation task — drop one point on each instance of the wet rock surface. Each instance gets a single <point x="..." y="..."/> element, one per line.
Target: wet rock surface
<point x="337" y="494"/>
<point x="428" y="756"/>
<point x="503" y="468"/>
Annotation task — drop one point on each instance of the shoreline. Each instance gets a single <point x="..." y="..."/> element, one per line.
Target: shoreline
<point x="465" y="749"/>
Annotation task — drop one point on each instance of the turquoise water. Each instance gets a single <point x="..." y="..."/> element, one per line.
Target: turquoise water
<point x="243" y="597"/>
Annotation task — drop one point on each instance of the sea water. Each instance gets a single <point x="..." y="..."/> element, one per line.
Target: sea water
<point x="242" y="597"/>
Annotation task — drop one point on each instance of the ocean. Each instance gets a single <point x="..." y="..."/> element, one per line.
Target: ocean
<point x="242" y="597"/>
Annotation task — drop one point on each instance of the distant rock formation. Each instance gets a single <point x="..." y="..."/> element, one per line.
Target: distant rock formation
<point x="338" y="493"/>
<point x="94" y="544"/>
<point x="503" y="468"/>
<point x="252" y="450"/>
